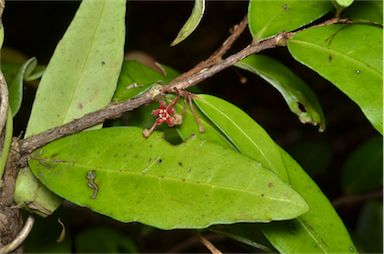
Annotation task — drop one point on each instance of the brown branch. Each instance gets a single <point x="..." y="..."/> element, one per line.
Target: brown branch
<point x="212" y="248"/>
<point x="356" y="199"/>
<point x="216" y="57"/>
<point x="115" y="110"/>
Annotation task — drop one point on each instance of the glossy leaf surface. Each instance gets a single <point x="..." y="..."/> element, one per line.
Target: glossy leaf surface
<point x="192" y="22"/>
<point x="82" y="74"/>
<point x="192" y="185"/>
<point x="235" y="124"/>
<point x="310" y="232"/>
<point x="355" y="68"/>
<point x="363" y="170"/>
<point x="267" y="18"/>
<point x="300" y="98"/>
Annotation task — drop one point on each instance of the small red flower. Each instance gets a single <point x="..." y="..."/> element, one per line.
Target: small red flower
<point x="164" y="114"/>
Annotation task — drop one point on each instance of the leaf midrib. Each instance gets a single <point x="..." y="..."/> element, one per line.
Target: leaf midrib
<point x="244" y="133"/>
<point x="166" y="178"/>
<point x="81" y="71"/>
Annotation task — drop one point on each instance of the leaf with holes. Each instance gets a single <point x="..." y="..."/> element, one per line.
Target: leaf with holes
<point x="157" y="184"/>
<point x="355" y="68"/>
<point x="300" y="98"/>
<point x="267" y="18"/>
<point x="192" y="22"/>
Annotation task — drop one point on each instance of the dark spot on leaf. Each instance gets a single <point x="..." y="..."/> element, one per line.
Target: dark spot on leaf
<point x="180" y="164"/>
<point x="262" y="194"/>
<point x="102" y="62"/>
<point x="135" y="156"/>
<point x="301" y="107"/>
<point x="183" y="179"/>
<point x="291" y="228"/>
<point x="159" y="160"/>
<point x="270" y="184"/>
<point x="161" y="177"/>
<point x="80" y="106"/>
<point x="330" y="58"/>
<point x="54" y="155"/>
<point x="285" y="6"/>
<point x="150" y="146"/>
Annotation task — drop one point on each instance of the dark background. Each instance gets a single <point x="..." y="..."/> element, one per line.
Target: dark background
<point x="34" y="28"/>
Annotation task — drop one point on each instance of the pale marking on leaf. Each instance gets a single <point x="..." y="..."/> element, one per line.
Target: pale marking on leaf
<point x="151" y="165"/>
<point x="313" y="236"/>
<point x="91" y="176"/>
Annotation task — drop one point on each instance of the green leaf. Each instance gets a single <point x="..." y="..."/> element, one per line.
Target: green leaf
<point x="363" y="170"/>
<point x="135" y="78"/>
<point x="344" y="3"/>
<point x="82" y="74"/>
<point x="355" y="68"/>
<point x="369" y="230"/>
<point x="309" y="233"/>
<point x="6" y="144"/>
<point x="15" y="85"/>
<point x="81" y="77"/>
<point x="103" y="240"/>
<point x="157" y="184"/>
<point x="300" y="98"/>
<point x="366" y="10"/>
<point x="318" y="231"/>
<point x="267" y="18"/>
<point x="192" y="22"/>
<point x="234" y="123"/>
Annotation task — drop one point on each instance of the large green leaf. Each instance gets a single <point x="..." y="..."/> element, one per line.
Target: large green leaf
<point x="82" y="74"/>
<point x="192" y="22"/>
<point x="366" y="10"/>
<point x="235" y="124"/>
<point x="81" y="77"/>
<point x="363" y="170"/>
<point x="117" y="172"/>
<point x="300" y="98"/>
<point x="267" y="18"/>
<point x="349" y="56"/>
<point x="309" y="233"/>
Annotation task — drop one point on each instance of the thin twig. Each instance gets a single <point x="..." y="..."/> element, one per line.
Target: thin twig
<point x="355" y="199"/>
<point x="4" y="103"/>
<point x="216" y="57"/>
<point x="209" y="245"/>
<point x="20" y="237"/>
